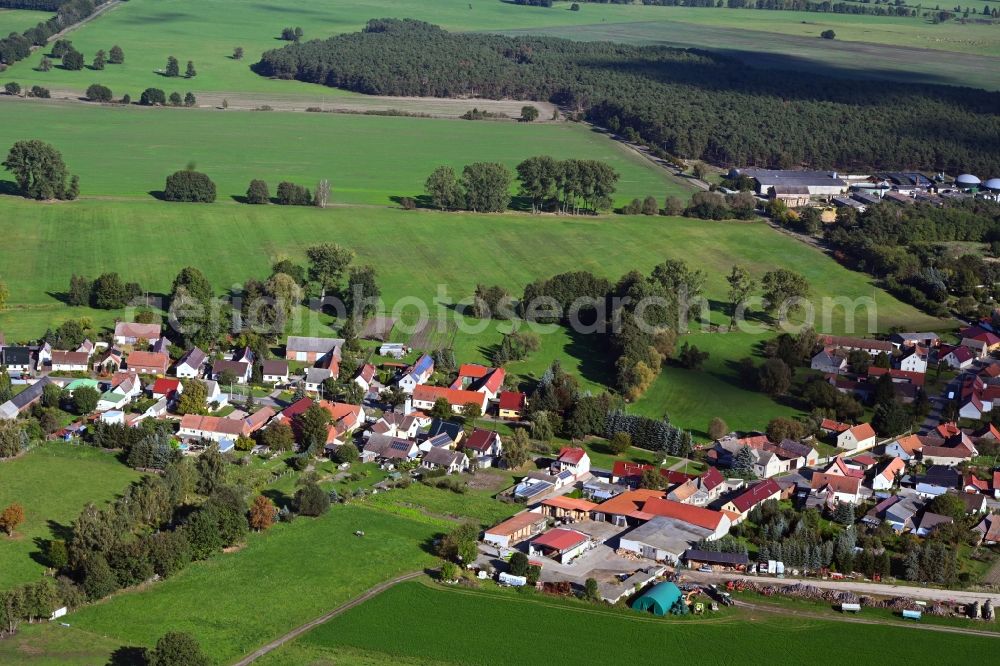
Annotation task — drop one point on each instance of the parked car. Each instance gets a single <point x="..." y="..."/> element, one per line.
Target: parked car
<point x="705" y="568"/>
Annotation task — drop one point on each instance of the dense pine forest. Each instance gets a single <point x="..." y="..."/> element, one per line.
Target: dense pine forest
<point x="686" y="103"/>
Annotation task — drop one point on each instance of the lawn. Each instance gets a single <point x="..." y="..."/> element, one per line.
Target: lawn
<point x="442" y="503"/>
<point x="19" y="20"/>
<point x="368" y="159"/>
<point x="281" y="579"/>
<point x="53" y="482"/>
<point x="206" y="31"/>
<point x="534" y="620"/>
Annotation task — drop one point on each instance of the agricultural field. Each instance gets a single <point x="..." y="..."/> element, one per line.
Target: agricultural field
<point x="206" y="31"/>
<point x="19" y="20"/>
<point x="368" y="159"/>
<point x="534" y="620"/>
<point x="53" y="482"/>
<point x="279" y="580"/>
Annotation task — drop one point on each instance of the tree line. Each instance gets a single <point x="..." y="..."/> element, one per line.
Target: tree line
<point x="681" y="103"/>
<point x="16" y="47"/>
<point x="898" y="8"/>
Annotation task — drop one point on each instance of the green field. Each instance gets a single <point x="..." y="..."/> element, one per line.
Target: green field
<point x="279" y="580"/>
<point x="53" y="483"/>
<point x="368" y="159"/>
<point x="205" y="31"/>
<point x="19" y="20"/>
<point x="551" y="631"/>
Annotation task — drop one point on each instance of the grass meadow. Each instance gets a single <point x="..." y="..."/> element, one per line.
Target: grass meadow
<point x="53" y="483"/>
<point x="539" y="624"/>
<point x="282" y="578"/>
<point x="206" y="31"/>
<point x="368" y="159"/>
<point x="19" y="20"/>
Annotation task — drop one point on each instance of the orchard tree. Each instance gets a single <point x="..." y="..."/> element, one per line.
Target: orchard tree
<point x="98" y="93"/>
<point x="529" y="113"/>
<point x="487" y="187"/>
<point x="85" y="400"/>
<point x="516" y="450"/>
<point x="116" y="56"/>
<point x="193" y="397"/>
<point x="12" y="88"/>
<point x="741" y="286"/>
<point x="189" y="99"/>
<point x="100" y="59"/>
<point x="782" y="289"/>
<point x="620" y="442"/>
<point x="327" y="263"/>
<point x="173" y="67"/>
<point x="717" y="428"/>
<point x="238" y="53"/>
<point x="190" y="186"/>
<point x="258" y="193"/>
<point x="190" y="72"/>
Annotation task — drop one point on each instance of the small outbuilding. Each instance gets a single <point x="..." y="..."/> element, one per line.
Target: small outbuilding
<point x="658" y="599"/>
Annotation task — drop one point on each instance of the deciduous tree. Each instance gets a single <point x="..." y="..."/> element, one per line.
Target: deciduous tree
<point x="11" y="517"/>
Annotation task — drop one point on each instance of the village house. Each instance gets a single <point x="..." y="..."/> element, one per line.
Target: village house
<point x="515" y="529"/>
<point x="417" y="374"/>
<point x="906" y="448"/>
<point x="979" y="340"/>
<point x="835" y="488"/>
<point x="828" y="361"/>
<point x="425" y="396"/>
<point x="395" y="350"/>
<point x="572" y="459"/>
<point x="365" y="377"/>
<point x="479" y="378"/>
<point x="130" y="333"/>
<point x="751" y="497"/>
<point x="857" y="438"/>
<point x="259" y="419"/>
<point x="310" y="350"/>
<point x="212" y="428"/>
<point x="17" y="360"/>
<point x="43" y="356"/>
<point x="948" y="456"/>
<point x="109" y="362"/>
<point x="395" y="424"/>
<point x="989" y="530"/>
<point x="344" y="419"/>
<point x="313" y="380"/>
<point x="241" y="370"/>
<point x="453" y="462"/>
<point x="637" y="506"/>
<point x="958" y="358"/>
<point x="166" y="387"/>
<point x="67" y="361"/>
<point x="929" y="522"/>
<point x="511" y="405"/>
<point x="913" y="359"/>
<point x="383" y="447"/>
<point x="484" y="447"/>
<point x="147" y="363"/>
<point x="274" y="372"/>
<point x="190" y="364"/>
<point x="889" y="474"/>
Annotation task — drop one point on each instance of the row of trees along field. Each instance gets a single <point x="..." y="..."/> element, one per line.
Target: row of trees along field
<point x="17" y="47"/>
<point x="877" y="8"/>
<point x="683" y="103"/>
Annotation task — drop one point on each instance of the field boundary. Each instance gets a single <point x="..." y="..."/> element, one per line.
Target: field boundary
<point x="298" y="631"/>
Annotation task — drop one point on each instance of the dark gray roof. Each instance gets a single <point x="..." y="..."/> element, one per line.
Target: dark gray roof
<point x="16" y="356"/>
<point x="315" y="345"/>
<point x="727" y="559"/>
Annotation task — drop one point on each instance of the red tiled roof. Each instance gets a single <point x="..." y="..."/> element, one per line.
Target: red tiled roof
<point x="143" y="359"/>
<point x="840" y="484"/>
<point x="833" y="426"/>
<point x="560" y="539"/>
<point x="945" y="452"/>
<point x="630" y="470"/>
<point x="755" y="494"/>
<point x="571" y="454"/>
<point x="480" y="440"/>
<point x="687" y="513"/>
<point x="863" y="431"/>
<point x="512" y="400"/>
<point x="979" y="484"/>
<point x="628" y="502"/>
<point x="214" y="424"/>
<point x="915" y="378"/>
<point x="711" y="478"/>
<point x="473" y="370"/>
<point x="296" y="408"/>
<point x="455" y="397"/>
<point x="864" y="459"/>
<point x="165" y="385"/>
<point x="70" y="358"/>
<point x="570" y="503"/>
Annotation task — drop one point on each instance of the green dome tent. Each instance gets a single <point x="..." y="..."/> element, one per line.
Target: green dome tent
<point x="659" y="599"/>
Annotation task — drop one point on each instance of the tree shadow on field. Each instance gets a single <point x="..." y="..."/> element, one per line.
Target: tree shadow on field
<point x="240" y="198"/>
<point x="10" y="188"/>
<point x="421" y="201"/>
<point x="128" y="655"/>
<point x="59" y="531"/>
<point x="159" y="195"/>
<point x="429" y="545"/>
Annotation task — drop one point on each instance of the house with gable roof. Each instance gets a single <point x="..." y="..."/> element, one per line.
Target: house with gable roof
<point x="484" y="446"/>
<point x="751" y="497"/>
<point x="190" y="364"/>
<point x="572" y="459"/>
<point x="129" y="333"/>
<point x="857" y="438"/>
<point x="415" y="375"/>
